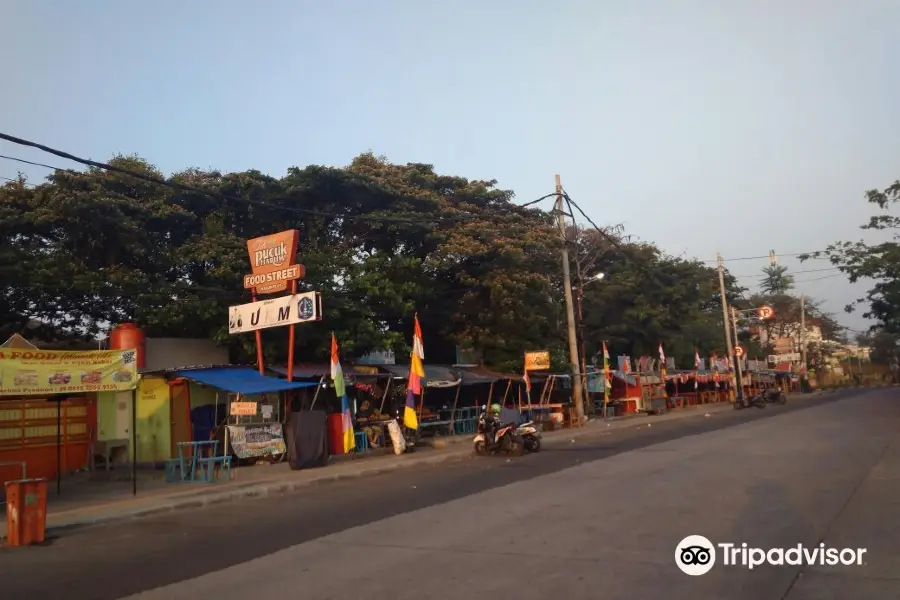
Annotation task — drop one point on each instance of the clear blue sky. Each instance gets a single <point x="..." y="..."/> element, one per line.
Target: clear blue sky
<point x="701" y="125"/>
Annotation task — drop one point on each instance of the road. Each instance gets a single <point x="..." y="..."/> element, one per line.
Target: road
<point x="597" y="517"/>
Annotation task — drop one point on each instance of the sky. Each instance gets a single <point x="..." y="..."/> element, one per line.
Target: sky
<point x="701" y="125"/>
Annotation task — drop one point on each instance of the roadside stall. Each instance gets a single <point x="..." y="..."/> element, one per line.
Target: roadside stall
<point x="48" y="418"/>
<point x="254" y="404"/>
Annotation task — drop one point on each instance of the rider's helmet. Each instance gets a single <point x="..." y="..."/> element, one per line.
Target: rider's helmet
<point x="496" y="408"/>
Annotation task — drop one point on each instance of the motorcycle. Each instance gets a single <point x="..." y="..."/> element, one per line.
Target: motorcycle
<point x="506" y="439"/>
<point x="531" y="436"/>
<point x="745" y="402"/>
<point x="774" y="396"/>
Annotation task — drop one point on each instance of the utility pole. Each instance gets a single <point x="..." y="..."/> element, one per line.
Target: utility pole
<point x="737" y="359"/>
<point x="577" y="397"/>
<point x="725" y="319"/>
<point x="803" y="334"/>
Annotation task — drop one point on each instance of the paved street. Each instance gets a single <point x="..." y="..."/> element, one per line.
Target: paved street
<point x="597" y="517"/>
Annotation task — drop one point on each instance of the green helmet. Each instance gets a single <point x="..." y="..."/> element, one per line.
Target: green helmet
<point x="496" y="408"/>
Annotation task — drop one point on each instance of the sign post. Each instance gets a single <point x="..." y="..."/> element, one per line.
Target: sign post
<point x="273" y="261"/>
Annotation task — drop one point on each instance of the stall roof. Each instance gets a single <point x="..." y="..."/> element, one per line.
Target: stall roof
<point x="478" y="374"/>
<point x="303" y="371"/>
<point x="241" y="380"/>
<point x="435" y="376"/>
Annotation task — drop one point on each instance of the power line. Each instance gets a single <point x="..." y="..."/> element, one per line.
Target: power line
<point x="791" y="273"/>
<point x="767" y="256"/>
<point x="219" y="195"/>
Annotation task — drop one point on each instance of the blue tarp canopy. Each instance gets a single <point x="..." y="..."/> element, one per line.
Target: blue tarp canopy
<point x="242" y="381"/>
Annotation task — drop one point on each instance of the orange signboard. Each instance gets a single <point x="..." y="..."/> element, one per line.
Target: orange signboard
<point x="273" y="259"/>
<point x="537" y="361"/>
<point x="243" y="409"/>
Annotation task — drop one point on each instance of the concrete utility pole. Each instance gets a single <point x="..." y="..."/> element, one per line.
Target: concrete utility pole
<point x="737" y="359"/>
<point x="803" y="335"/>
<point x="725" y="319"/>
<point x="577" y="397"/>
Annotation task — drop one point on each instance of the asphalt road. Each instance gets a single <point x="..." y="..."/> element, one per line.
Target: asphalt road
<point x="120" y="559"/>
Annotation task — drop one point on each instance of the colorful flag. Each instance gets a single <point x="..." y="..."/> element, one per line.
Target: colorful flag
<point x="607" y="380"/>
<point x="416" y="373"/>
<point x="696" y="367"/>
<point x="337" y="377"/>
<point x="662" y="370"/>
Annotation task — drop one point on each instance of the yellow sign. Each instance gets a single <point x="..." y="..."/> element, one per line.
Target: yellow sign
<point x="243" y="409"/>
<point x="42" y="372"/>
<point x="537" y="361"/>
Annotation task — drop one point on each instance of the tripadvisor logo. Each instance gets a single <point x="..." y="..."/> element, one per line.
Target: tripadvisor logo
<point x="696" y="555"/>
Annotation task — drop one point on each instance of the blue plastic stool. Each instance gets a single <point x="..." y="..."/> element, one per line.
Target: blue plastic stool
<point x="362" y="441"/>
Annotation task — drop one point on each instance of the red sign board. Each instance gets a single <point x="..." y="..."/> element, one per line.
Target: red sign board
<point x="273" y="260"/>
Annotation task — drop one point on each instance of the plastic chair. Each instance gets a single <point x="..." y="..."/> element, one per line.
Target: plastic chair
<point x="362" y="441"/>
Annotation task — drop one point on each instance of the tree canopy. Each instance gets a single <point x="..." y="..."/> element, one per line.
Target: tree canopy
<point x="879" y="262"/>
<point x="85" y="250"/>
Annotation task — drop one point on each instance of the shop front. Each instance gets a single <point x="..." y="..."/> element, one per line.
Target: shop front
<point x="48" y="407"/>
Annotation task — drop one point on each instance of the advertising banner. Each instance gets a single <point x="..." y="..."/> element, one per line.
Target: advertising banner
<point x="273" y="262"/>
<point x="256" y="440"/>
<point x="277" y="312"/>
<point x="537" y="361"/>
<point x="43" y="372"/>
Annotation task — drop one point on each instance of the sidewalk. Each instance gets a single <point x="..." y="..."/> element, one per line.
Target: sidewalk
<point x="279" y="479"/>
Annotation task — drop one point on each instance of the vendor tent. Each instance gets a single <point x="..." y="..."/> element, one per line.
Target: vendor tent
<point x="241" y="380"/>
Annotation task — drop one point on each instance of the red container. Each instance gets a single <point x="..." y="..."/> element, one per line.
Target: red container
<point x="128" y="336"/>
<point x="335" y="434"/>
<point x="26" y="512"/>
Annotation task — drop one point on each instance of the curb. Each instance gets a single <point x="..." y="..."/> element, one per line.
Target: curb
<point x="250" y="490"/>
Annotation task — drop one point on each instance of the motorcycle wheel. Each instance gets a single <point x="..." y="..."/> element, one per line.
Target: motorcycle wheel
<point x="515" y="446"/>
<point x="760" y="405"/>
<point x="480" y="448"/>
<point x="738" y="404"/>
<point x="533" y="444"/>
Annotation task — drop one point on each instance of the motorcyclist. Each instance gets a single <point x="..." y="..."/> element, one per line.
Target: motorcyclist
<point x="491" y="423"/>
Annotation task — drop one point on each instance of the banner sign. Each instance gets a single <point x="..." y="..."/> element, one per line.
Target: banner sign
<point x="277" y="312"/>
<point x="273" y="260"/>
<point x="41" y="372"/>
<point x="243" y="409"/>
<point x="780" y="358"/>
<point x="537" y="361"/>
<point x="256" y="440"/>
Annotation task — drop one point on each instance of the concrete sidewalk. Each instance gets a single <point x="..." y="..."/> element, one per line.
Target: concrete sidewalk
<point x="279" y="479"/>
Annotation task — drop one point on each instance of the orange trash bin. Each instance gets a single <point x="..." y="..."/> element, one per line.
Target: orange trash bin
<point x="26" y="512"/>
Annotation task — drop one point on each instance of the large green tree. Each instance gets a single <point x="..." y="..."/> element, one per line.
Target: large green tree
<point x="879" y="262"/>
<point x="83" y="251"/>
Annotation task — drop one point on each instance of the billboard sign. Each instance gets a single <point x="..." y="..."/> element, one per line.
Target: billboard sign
<point x="273" y="260"/>
<point x="276" y="312"/>
<point x="537" y="361"/>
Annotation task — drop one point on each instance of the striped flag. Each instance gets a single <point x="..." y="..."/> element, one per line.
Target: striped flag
<point x="607" y="379"/>
<point x="662" y="370"/>
<point x="337" y="377"/>
<point x="416" y="373"/>
<point x="696" y="366"/>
